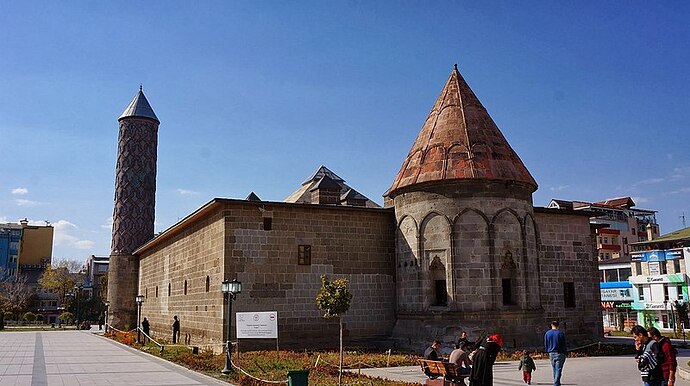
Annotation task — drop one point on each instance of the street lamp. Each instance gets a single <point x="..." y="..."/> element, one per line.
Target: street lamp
<point x="230" y="289"/>
<point x="106" y="304"/>
<point x="77" y="289"/>
<point x="140" y="300"/>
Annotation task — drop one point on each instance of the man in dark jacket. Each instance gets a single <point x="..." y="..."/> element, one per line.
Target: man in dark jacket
<point x="648" y="357"/>
<point x="669" y="362"/>
<point x="176" y="329"/>
<point x="432" y="353"/>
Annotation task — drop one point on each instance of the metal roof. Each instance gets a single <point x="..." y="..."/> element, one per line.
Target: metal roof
<point x="139" y="107"/>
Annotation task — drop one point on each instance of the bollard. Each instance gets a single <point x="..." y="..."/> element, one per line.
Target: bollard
<point x="298" y="377"/>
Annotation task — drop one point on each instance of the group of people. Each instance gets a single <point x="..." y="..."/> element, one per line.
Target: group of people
<point x="146" y="328"/>
<point x="656" y="357"/>
<point x="475" y="360"/>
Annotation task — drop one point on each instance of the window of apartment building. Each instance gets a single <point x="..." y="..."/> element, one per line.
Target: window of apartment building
<point x="665" y="292"/>
<point x="268" y="223"/>
<point x="662" y="268"/>
<point x="676" y="266"/>
<point x="606" y="240"/>
<point x="640" y="291"/>
<point x="679" y="291"/>
<point x="611" y="275"/>
<point x="208" y="283"/>
<point x="599" y="239"/>
<point x="632" y="230"/>
<point x="304" y="255"/>
<point x="185" y="287"/>
<point x="624" y="274"/>
<point x="569" y="294"/>
<point x="638" y="268"/>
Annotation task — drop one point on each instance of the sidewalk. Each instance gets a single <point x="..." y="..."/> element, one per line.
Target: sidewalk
<point x="68" y="358"/>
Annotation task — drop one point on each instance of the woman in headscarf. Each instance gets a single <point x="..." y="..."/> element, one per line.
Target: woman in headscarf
<point x="482" y="367"/>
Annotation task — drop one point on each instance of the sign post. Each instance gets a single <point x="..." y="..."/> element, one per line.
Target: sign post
<point x="257" y="325"/>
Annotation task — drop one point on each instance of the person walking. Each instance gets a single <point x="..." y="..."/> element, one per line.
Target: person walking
<point x="669" y="364"/>
<point x="176" y="329"/>
<point x="527" y="366"/>
<point x="147" y="328"/>
<point x="555" y="345"/>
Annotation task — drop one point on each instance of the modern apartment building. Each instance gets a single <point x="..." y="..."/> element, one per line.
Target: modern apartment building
<point x="616" y="294"/>
<point x="618" y="224"/>
<point x="25" y="247"/>
<point x="660" y="278"/>
<point x="96" y="272"/>
<point x="10" y="236"/>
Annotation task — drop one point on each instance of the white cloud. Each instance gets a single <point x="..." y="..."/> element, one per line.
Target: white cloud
<point x="28" y="203"/>
<point x="108" y="223"/>
<point x="63" y="236"/>
<point x="186" y="192"/>
<point x="20" y="191"/>
<point x="680" y="191"/>
<point x="640" y="200"/>
<point x="559" y="188"/>
<point x="649" y="181"/>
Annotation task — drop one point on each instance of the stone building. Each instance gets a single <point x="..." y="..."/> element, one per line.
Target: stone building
<point x="457" y="245"/>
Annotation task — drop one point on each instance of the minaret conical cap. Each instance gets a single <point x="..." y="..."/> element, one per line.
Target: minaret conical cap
<point x="459" y="141"/>
<point x="139" y="107"/>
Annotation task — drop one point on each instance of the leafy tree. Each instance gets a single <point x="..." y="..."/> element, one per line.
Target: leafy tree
<point x="8" y="315"/>
<point x="29" y="316"/>
<point x="60" y="278"/>
<point x="681" y="309"/>
<point x="334" y="299"/>
<point x="65" y="316"/>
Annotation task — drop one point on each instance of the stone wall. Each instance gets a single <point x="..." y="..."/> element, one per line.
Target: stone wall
<point x="354" y="243"/>
<point x="231" y="242"/>
<point x="568" y="255"/>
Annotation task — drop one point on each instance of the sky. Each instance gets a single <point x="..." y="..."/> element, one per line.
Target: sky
<point x="256" y="95"/>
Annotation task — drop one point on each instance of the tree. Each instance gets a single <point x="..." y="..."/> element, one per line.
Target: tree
<point x="60" y="278"/>
<point x="65" y="316"/>
<point x="15" y="294"/>
<point x="681" y="309"/>
<point x="29" y="317"/>
<point x="334" y="299"/>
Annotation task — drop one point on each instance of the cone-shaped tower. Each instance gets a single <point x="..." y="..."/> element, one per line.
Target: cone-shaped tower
<point x="135" y="201"/>
<point x="465" y="243"/>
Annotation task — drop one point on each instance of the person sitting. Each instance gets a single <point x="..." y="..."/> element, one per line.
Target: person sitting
<point x="460" y="358"/>
<point x="433" y="352"/>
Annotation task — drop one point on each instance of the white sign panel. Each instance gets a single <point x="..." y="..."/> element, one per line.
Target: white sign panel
<point x="654" y="268"/>
<point x="615" y="294"/>
<point x="257" y="325"/>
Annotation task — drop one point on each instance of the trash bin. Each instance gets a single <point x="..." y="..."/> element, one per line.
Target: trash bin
<point x="298" y="377"/>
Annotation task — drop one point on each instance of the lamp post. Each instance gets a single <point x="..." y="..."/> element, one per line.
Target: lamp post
<point x="106" y="304"/>
<point x="230" y="289"/>
<point x="77" y="290"/>
<point x="668" y="320"/>
<point x="140" y="300"/>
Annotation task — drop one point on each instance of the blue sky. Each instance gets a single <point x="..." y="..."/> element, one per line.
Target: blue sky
<point x="255" y="95"/>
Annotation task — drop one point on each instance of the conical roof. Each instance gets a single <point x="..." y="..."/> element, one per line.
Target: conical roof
<point x="139" y="107"/>
<point x="460" y="141"/>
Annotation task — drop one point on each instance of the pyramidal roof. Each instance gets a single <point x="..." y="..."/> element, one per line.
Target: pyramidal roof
<point x="139" y="107"/>
<point x="460" y="141"/>
<point x="324" y="178"/>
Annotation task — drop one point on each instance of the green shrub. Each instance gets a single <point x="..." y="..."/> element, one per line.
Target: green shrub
<point x="8" y="315"/>
<point x="65" y="316"/>
<point x="29" y="316"/>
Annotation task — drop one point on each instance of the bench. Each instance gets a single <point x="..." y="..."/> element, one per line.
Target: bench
<point x="448" y="372"/>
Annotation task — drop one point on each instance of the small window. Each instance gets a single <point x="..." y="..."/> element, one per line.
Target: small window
<point x="304" y="255"/>
<point x="676" y="266"/>
<point x="638" y="268"/>
<point x="507" y="291"/>
<point x="441" y="293"/>
<point x="169" y="288"/>
<point x="268" y="223"/>
<point x="666" y="293"/>
<point x="641" y="293"/>
<point x="146" y="293"/>
<point x="156" y="291"/>
<point x="569" y="294"/>
<point x="679" y="291"/>
<point x="185" y="287"/>
<point x="208" y="283"/>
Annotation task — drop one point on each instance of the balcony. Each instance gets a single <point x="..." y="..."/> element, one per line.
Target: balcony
<point x="609" y="247"/>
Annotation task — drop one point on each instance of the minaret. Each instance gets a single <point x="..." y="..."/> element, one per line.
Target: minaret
<point x="135" y="201"/>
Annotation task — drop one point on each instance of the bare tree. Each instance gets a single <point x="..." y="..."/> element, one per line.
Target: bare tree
<point x="15" y="294"/>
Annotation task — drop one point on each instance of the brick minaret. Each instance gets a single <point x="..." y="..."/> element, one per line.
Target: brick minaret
<point x="134" y="213"/>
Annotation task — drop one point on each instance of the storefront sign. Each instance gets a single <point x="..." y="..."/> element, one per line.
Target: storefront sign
<point x="615" y="305"/>
<point x="654" y="268"/>
<point x="674" y="254"/>
<point x="612" y="294"/>
<point x="655" y="306"/>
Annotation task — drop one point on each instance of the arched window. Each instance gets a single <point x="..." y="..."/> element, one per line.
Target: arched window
<point x="185" y="287"/>
<point x="208" y="283"/>
<point x="169" y="287"/>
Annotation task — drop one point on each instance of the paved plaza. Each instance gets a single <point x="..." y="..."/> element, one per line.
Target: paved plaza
<point x="83" y="358"/>
<point x="72" y="358"/>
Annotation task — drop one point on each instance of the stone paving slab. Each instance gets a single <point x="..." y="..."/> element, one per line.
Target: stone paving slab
<point x="76" y="358"/>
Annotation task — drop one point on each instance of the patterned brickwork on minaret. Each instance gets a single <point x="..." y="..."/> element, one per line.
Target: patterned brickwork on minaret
<point x="134" y="212"/>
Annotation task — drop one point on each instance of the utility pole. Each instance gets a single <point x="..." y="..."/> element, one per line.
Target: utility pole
<point x="683" y="218"/>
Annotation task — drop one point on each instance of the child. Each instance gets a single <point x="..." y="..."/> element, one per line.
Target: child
<point x="527" y="366"/>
